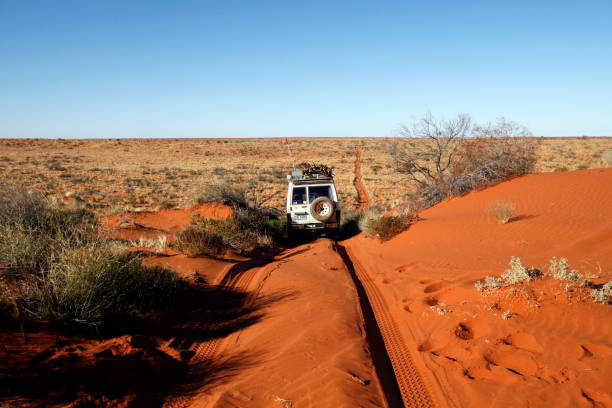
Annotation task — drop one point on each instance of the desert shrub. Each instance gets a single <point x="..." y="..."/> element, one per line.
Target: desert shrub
<point x="234" y="232"/>
<point x="220" y="171"/>
<point x="211" y="237"/>
<point x="56" y="266"/>
<point x="228" y="194"/>
<point x="485" y="160"/>
<point x="560" y="270"/>
<point x="604" y="294"/>
<point x="502" y="211"/>
<point x="196" y="240"/>
<point x="449" y="157"/>
<point x="34" y="231"/>
<point x="164" y="204"/>
<point x="374" y="223"/>
<point x="367" y="218"/>
<point x="517" y="273"/>
<point x="560" y="169"/>
<point x="277" y="225"/>
<point x="97" y="284"/>
<point x="389" y="226"/>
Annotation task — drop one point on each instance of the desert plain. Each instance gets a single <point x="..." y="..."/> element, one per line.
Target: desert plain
<point x="433" y="317"/>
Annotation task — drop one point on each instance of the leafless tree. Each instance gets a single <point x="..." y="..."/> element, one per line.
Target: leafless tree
<point x="453" y="156"/>
<point x="427" y="151"/>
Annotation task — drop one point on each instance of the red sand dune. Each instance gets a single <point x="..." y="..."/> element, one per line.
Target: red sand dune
<point x="555" y="350"/>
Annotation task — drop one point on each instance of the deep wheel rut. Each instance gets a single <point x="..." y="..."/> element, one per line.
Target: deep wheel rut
<point x="407" y="381"/>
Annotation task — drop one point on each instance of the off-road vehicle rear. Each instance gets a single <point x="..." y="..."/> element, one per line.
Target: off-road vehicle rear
<point x="312" y="201"/>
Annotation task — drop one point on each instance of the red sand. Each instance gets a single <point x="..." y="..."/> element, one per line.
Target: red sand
<point x="150" y="225"/>
<point x="556" y="349"/>
<point x="287" y="329"/>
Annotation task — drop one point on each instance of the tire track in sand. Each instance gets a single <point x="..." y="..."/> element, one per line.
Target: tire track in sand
<point x="208" y="350"/>
<point x="363" y="199"/>
<point x="412" y="387"/>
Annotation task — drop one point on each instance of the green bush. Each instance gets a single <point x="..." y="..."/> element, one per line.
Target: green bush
<point x="211" y="237"/>
<point x="374" y="223"/>
<point x="196" y="240"/>
<point x="233" y="233"/>
<point x="97" y="284"/>
<point x="277" y="225"/>
<point x="57" y="267"/>
<point x="34" y="231"/>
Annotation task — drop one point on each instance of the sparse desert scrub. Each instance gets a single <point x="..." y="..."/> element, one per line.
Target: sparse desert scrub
<point x="502" y="211"/>
<point x="97" y="284"/>
<point x="517" y="273"/>
<point x="375" y="223"/>
<point x="449" y="157"/>
<point x="560" y="270"/>
<point x="212" y="237"/>
<point x="34" y="231"/>
<point x="603" y="294"/>
<point x="196" y="240"/>
<point x="55" y="266"/>
<point x="171" y="176"/>
<point x="228" y="194"/>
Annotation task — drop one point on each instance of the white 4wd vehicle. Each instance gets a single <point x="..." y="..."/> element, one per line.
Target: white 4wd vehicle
<point x="312" y="204"/>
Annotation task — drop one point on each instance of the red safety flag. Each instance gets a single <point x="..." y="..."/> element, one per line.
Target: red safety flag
<point x="285" y="141"/>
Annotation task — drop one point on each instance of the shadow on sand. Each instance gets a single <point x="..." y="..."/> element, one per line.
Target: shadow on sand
<point x="140" y="368"/>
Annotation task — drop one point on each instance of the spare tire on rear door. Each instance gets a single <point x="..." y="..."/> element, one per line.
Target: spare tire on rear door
<point x="322" y="209"/>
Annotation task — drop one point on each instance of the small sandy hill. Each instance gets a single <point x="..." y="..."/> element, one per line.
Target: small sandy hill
<point x="543" y="342"/>
<point x="150" y="225"/>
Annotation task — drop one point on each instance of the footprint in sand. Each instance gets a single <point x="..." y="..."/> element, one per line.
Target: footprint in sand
<point x="595" y="350"/>
<point x="518" y="361"/>
<point x="496" y="374"/>
<point x="524" y="341"/>
<point x="434" y="287"/>
<point x="471" y="329"/>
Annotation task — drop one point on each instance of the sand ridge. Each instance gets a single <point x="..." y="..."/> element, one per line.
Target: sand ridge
<point x="522" y="345"/>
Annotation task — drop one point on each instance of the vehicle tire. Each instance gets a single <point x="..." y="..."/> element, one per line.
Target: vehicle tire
<point x="322" y="209"/>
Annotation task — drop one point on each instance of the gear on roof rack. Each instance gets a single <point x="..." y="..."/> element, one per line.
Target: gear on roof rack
<point x="317" y="170"/>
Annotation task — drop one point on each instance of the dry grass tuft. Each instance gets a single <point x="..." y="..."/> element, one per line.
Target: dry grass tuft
<point x="502" y="211"/>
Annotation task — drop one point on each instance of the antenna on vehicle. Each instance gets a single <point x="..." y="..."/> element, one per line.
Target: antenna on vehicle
<point x="285" y="141"/>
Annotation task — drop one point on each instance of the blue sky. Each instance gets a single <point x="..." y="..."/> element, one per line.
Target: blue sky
<point x="285" y="69"/>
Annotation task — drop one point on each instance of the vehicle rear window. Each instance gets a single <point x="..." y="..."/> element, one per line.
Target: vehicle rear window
<point x="318" y="191"/>
<point x="299" y="195"/>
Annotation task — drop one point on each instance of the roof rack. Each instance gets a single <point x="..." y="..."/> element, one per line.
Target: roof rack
<point x="316" y="180"/>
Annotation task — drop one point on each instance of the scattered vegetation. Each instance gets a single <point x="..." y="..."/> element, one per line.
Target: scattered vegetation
<point x="55" y="266"/>
<point x="249" y="226"/>
<point x="374" y="223"/>
<point x="164" y="204"/>
<point x="450" y="157"/>
<point x="502" y="211"/>
<point x="603" y="294"/>
<point x="560" y="270"/>
<point x="195" y="240"/>
<point x="517" y="273"/>
<point x="228" y="194"/>
<point x="557" y="269"/>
